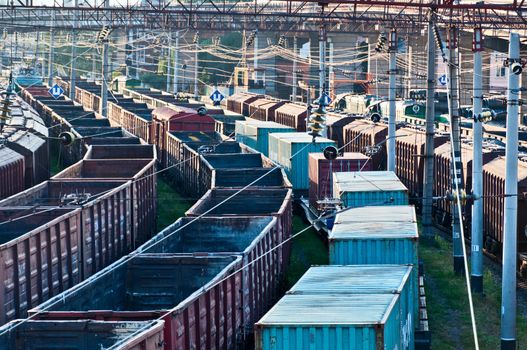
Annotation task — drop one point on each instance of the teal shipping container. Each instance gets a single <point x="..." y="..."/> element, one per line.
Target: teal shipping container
<point x="332" y="322"/>
<point x="366" y="279"/>
<point x="291" y="151"/>
<point x="255" y="133"/>
<point x="359" y="189"/>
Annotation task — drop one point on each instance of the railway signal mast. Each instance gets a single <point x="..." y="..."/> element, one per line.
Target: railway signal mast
<point x="390" y="144"/>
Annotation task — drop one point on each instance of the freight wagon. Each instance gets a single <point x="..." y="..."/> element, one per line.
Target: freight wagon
<point x="141" y="172"/>
<point x="239" y="102"/>
<point x="36" y="156"/>
<point x="264" y="109"/>
<point x="165" y="119"/>
<point x="367" y="138"/>
<point x="63" y="247"/>
<point x="12" y="172"/>
<point x="197" y="297"/>
<point x="82" y="335"/>
<point x="292" y="115"/>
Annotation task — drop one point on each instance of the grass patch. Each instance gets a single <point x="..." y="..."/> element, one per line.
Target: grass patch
<point x="55" y="164"/>
<point x="170" y="204"/>
<point x="447" y="303"/>
<point x="307" y="249"/>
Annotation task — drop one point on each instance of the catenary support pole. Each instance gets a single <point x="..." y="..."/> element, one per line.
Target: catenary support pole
<point x="331" y="77"/>
<point x="295" y="73"/>
<point x="196" y="67"/>
<point x="104" y="83"/>
<point x="508" y="291"/>
<point x="322" y="59"/>
<point x="477" y="167"/>
<point x="428" y="176"/>
<point x="169" y="64"/>
<point x="73" y="58"/>
<point x="51" y="48"/>
<point x="390" y="143"/>
<point x="175" y="80"/>
<point x="255" y="58"/>
<point x="409" y="69"/>
<point x="453" y="109"/>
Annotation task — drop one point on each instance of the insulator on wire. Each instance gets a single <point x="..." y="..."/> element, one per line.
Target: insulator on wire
<point x="439" y="42"/>
<point x="317" y="121"/>
<point x="195" y="39"/>
<point x="281" y="41"/>
<point x="104" y="33"/>
<point x="66" y="138"/>
<point x="381" y="42"/>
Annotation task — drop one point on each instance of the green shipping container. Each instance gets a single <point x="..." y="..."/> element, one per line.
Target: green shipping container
<point x="332" y="322"/>
<point x="291" y="151"/>
<point x="360" y="189"/>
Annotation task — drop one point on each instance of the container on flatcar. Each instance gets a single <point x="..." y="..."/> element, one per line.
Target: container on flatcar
<point x="291" y="151"/>
<point x="365" y="279"/>
<point x="293" y="115"/>
<point x="253" y="238"/>
<point x="338" y="322"/>
<point x="359" y="189"/>
<point x="321" y="173"/>
<point x="142" y="174"/>
<point x="82" y="335"/>
<point x="255" y="134"/>
<point x="198" y="297"/>
<point x="106" y="228"/>
<point x="12" y="172"/>
<point x="368" y="138"/>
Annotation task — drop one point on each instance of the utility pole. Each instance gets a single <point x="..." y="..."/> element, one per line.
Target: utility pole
<point x="37" y="53"/>
<point x="390" y="143"/>
<point x="175" y="80"/>
<point x="104" y="84"/>
<point x="477" y="167"/>
<point x="169" y="74"/>
<point x="196" y="66"/>
<point x="457" y="181"/>
<point x="428" y="185"/>
<point x="73" y="64"/>
<point x="50" y="54"/>
<point x="508" y="291"/>
<point x="322" y="58"/>
<point x="295" y="73"/>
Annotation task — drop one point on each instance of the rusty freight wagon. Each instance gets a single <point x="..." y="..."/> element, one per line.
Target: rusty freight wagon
<point x="142" y="174"/>
<point x="367" y="138"/>
<point x="166" y="119"/>
<point x="121" y="152"/>
<point x="410" y="158"/>
<point x="106" y="228"/>
<point x="82" y="335"/>
<point x="443" y="177"/>
<point x="250" y="202"/>
<point x="335" y="126"/>
<point x="240" y="170"/>
<point x="493" y="206"/>
<point x="264" y="109"/>
<point x="198" y="297"/>
<point x="249" y="237"/>
<point x="36" y="156"/>
<point x="12" y="172"/>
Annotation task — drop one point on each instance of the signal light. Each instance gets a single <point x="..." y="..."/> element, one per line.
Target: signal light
<point x="381" y="42"/>
<point x="66" y="138"/>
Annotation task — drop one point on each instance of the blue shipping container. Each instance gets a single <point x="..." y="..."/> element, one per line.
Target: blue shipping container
<point x="332" y="322"/>
<point x="291" y="150"/>
<point x="359" y="189"/>
<point x="365" y="279"/>
<point x="255" y="133"/>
